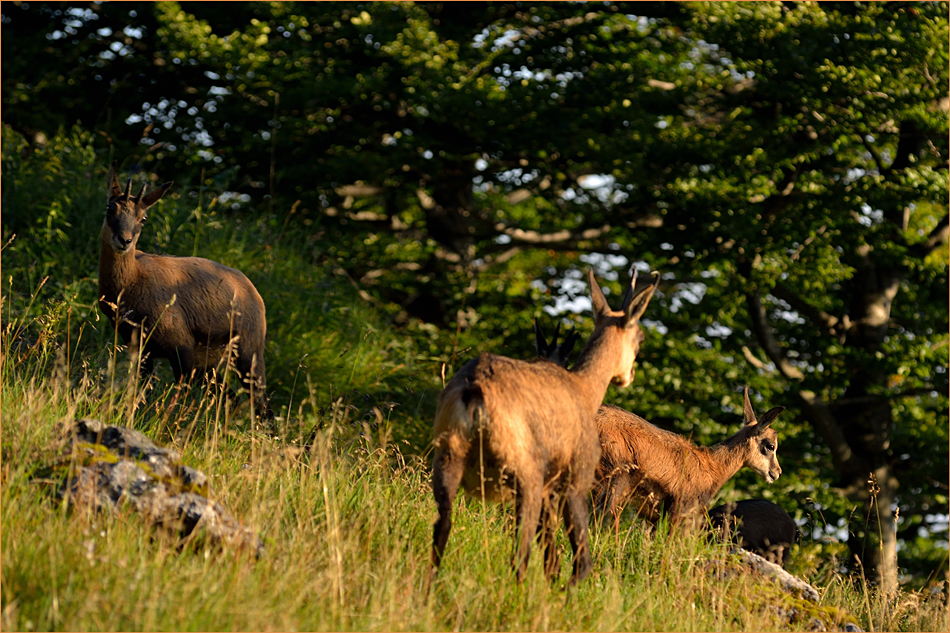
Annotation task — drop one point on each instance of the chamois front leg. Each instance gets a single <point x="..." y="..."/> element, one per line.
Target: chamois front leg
<point x="575" y="522"/>
<point x="252" y="377"/>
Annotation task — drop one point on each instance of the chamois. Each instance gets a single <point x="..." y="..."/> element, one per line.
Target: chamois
<point x="507" y="429"/>
<point x="642" y="463"/>
<point x="192" y="311"/>
<point x="757" y="525"/>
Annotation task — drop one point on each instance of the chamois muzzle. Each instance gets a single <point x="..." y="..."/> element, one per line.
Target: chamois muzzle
<point x="121" y="244"/>
<point x="774" y="474"/>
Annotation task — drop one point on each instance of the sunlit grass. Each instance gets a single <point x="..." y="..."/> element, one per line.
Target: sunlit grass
<point x="346" y="518"/>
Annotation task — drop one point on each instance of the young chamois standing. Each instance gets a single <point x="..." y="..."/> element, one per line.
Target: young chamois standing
<point x="194" y="312"/>
<point x="649" y="467"/>
<point x="757" y="525"/>
<point x="524" y="431"/>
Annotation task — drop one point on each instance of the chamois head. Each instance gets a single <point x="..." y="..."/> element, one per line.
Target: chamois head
<point x="555" y="353"/>
<point x="125" y="214"/>
<point x="626" y="321"/>
<point x="763" y="440"/>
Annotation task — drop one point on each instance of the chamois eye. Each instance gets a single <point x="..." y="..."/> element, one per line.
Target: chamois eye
<point x="769" y="446"/>
<point x="144" y="217"/>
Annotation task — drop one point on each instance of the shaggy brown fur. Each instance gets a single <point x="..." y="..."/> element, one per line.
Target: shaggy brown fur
<point x="194" y="312"/>
<point x="647" y="467"/>
<point x="513" y="430"/>
<point x="759" y="526"/>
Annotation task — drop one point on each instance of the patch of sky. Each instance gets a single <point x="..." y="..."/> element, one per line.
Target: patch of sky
<point x="869" y="216"/>
<point x="717" y="330"/>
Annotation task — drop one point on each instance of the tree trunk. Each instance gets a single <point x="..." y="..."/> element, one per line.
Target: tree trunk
<point x="873" y="539"/>
<point x="867" y="422"/>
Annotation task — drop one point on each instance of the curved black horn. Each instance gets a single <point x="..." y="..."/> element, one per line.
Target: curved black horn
<point x="142" y="192"/>
<point x="128" y="188"/>
<point x="628" y="296"/>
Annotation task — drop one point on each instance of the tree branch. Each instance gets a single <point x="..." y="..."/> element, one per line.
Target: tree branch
<point x="763" y="331"/>
<point x="820" y="318"/>
<point x="937" y="237"/>
<point x="821" y="417"/>
<point x="536" y="238"/>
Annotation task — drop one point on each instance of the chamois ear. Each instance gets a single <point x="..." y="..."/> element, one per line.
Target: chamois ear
<point x="634" y="307"/>
<point x="151" y="198"/>
<point x="540" y="344"/>
<point x="767" y="419"/>
<point x="747" y="413"/>
<point x="114" y="189"/>
<point x="597" y="295"/>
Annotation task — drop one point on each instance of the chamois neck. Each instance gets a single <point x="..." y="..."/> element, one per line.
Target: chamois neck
<point x="597" y="365"/>
<point x="729" y="458"/>
<point x="116" y="271"/>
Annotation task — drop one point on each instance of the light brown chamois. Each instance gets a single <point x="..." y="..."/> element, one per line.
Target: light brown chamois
<point x="507" y="429"/>
<point x="646" y="467"/>
<point x="757" y="525"/>
<point x="196" y="313"/>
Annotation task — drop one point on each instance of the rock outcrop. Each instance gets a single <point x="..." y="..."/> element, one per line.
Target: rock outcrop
<point x="111" y="467"/>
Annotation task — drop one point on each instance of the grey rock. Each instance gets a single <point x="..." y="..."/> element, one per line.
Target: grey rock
<point x="791" y="584"/>
<point x="119" y="466"/>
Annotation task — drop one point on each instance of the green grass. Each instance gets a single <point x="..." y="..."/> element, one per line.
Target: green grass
<point x="347" y="525"/>
<point x="339" y="492"/>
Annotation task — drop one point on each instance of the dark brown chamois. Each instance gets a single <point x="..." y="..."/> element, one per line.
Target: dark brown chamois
<point x="196" y="313"/>
<point x="648" y="467"/>
<point x="507" y="429"/>
<point x="757" y="525"/>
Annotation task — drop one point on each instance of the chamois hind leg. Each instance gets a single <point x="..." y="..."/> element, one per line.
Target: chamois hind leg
<point x="547" y="538"/>
<point x="447" y="471"/>
<point x="529" y="515"/>
<point x="576" y="517"/>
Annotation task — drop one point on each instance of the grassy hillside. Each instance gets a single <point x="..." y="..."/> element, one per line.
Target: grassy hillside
<point x="339" y="492"/>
